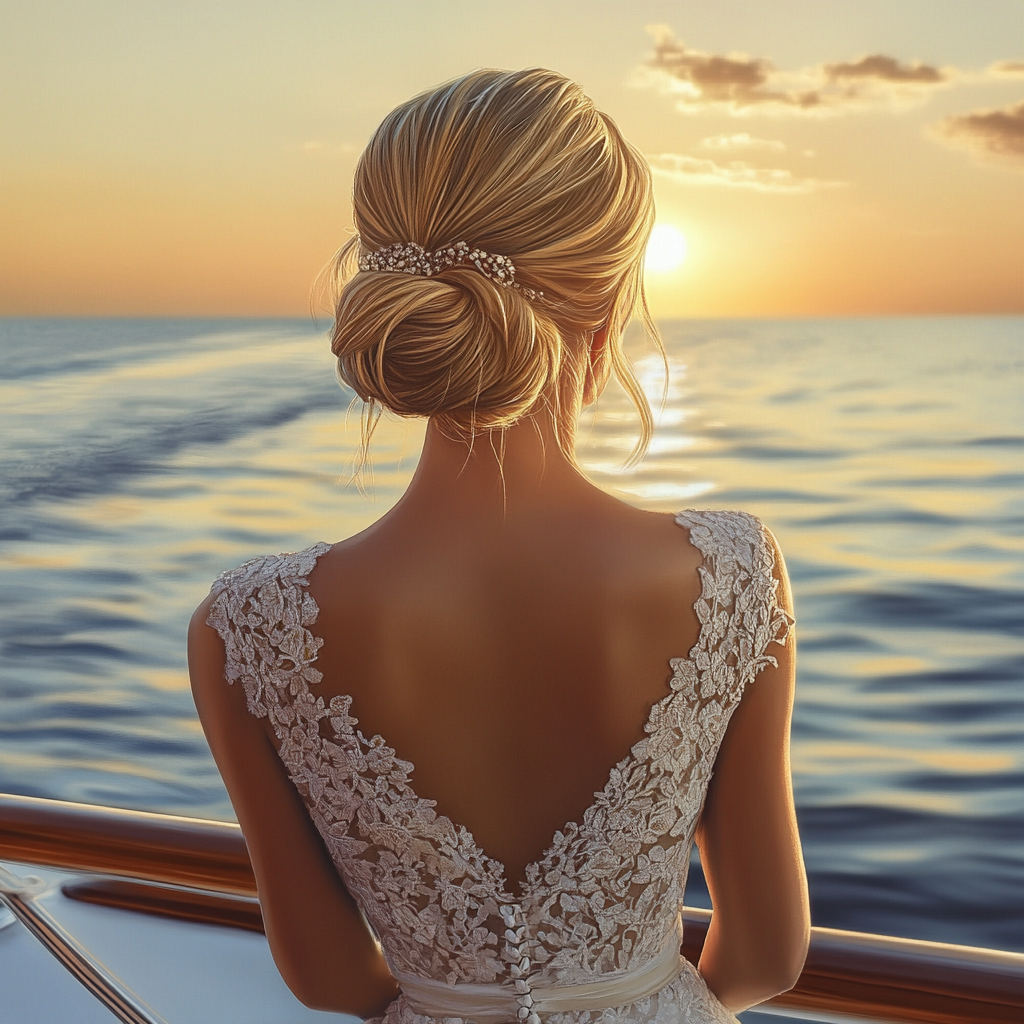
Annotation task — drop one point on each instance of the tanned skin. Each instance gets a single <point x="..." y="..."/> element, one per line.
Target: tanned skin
<point x="507" y="628"/>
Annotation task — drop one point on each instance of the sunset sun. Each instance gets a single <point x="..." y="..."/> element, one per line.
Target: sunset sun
<point x="666" y="249"/>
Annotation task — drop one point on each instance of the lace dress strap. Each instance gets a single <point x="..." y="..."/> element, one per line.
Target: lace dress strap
<point x="739" y="607"/>
<point x="262" y="611"/>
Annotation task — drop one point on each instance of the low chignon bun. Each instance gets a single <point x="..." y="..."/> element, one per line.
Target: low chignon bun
<point x="456" y="347"/>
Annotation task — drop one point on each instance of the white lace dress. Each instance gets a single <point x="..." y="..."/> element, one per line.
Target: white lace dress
<point x="594" y="934"/>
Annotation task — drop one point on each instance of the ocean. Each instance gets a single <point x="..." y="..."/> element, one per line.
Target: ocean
<point x="139" y="458"/>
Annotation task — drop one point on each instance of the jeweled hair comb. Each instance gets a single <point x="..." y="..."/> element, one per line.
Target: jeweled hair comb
<point x="410" y="258"/>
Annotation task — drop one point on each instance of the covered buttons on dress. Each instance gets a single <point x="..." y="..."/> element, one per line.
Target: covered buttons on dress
<point x="515" y="939"/>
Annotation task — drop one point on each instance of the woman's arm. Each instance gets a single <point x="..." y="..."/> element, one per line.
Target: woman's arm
<point x="320" y="944"/>
<point x="749" y="846"/>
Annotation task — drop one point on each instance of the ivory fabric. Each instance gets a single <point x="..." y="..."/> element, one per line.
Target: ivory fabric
<point x="497" y="1002"/>
<point x="602" y="905"/>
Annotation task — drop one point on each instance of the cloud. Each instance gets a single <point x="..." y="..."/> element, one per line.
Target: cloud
<point x="993" y="133"/>
<point x="1007" y="69"/>
<point x="736" y="174"/>
<point x="741" y="140"/>
<point x="886" y="69"/>
<point x="740" y="84"/>
<point x="734" y="81"/>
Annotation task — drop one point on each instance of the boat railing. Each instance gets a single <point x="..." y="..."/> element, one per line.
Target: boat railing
<point x="199" y="870"/>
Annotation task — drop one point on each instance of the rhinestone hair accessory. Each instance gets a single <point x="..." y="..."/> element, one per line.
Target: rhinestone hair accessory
<point x="410" y="258"/>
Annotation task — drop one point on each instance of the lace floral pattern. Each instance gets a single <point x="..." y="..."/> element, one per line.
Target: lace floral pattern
<point x="604" y="897"/>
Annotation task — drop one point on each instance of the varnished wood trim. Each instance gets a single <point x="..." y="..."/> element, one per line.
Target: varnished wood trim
<point x="163" y="901"/>
<point x="899" y="980"/>
<point x="135" y="844"/>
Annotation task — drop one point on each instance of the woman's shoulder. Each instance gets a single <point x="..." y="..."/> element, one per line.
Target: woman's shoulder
<point x="733" y="533"/>
<point x="251" y="575"/>
<point x="731" y="522"/>
<point x="258" y="609"/>
<point x="741" y="552"/>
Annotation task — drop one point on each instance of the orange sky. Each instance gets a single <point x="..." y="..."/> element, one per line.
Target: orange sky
<point x="195" y="158"/>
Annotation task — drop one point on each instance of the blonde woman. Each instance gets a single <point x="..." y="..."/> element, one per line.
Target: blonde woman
<point x="541" y="652"/>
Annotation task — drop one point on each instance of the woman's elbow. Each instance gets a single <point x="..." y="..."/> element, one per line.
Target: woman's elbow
<point x="352" y="984"/>
<point x="787" y="967"/>
<point x="356" y="999"/>
<point x="743" y="973"/>
<point x="308" y="989"/>
<point x="784" y="951"/>
<point x="780" y="966"/>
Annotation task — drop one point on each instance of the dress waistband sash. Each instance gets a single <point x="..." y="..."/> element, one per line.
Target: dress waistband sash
<point x="493" y="1002"/>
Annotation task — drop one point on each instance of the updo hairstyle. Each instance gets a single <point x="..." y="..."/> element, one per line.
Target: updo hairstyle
<point x="518" y="164"/>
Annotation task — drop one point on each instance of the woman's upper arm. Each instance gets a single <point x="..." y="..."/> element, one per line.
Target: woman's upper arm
<point x="748" y="840"/>
<point x="320" y="944"/>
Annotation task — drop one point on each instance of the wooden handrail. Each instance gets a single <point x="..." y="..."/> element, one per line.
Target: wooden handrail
<point x="163" y="901"/>
<point x="846" y="972"/>
<point x="132" y="844"/>
<point x="894" y="979"/>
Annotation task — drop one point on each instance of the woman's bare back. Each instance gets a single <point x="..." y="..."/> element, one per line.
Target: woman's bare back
<point x="429" y="868"/>
<point x="514" y="668"/>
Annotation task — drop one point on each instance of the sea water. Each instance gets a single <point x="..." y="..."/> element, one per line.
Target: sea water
<point x="139" y="458"/>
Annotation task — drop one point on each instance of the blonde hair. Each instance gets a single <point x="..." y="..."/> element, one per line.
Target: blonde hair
<point x="519" y="164"/>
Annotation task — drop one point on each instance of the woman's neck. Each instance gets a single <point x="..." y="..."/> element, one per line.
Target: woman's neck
<point x="501" y="477"/>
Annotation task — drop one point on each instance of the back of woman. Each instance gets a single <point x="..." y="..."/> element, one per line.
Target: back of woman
<point x="487" y="725"/>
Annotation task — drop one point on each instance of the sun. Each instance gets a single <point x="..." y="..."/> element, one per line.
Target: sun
<point x="666" y="249"/>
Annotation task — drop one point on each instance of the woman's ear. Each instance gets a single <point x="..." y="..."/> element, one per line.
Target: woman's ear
<point x="599" y="366"/>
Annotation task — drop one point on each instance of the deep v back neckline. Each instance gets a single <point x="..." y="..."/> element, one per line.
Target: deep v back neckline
<point x="604" y="894"/>
<point x="533" y="869"/>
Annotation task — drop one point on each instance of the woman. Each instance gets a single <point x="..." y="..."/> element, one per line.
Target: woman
<point x="540" y="651"/>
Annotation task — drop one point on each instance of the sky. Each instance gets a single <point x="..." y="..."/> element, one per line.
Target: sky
<point x="819" y="157"/>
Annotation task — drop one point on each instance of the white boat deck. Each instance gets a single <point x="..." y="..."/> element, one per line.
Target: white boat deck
<point x="188" y="973"/>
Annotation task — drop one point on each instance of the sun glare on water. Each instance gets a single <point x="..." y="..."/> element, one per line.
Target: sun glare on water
<point x="666" y="249"/>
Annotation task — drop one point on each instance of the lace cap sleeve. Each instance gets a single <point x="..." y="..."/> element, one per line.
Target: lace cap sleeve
<point x="740" y="604"/>
<point x="261" y="612"/>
